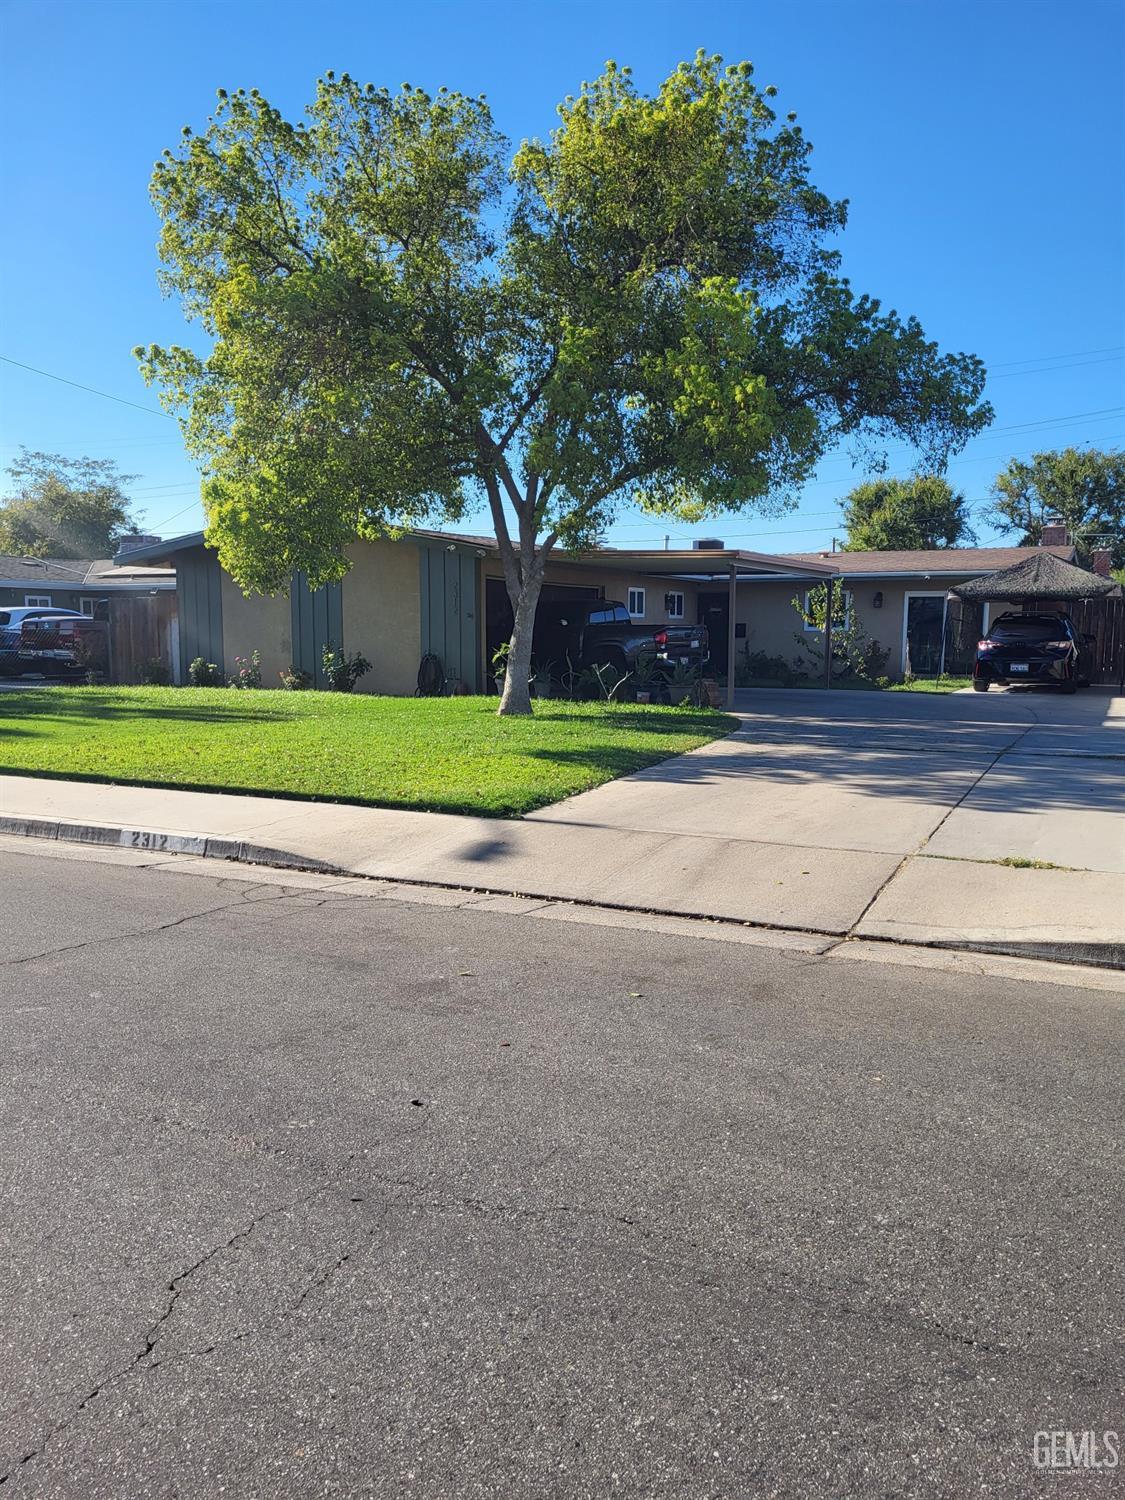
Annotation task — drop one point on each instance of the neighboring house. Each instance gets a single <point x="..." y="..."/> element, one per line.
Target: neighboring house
<point x="138" y="600"/>
<point x="439" y="592"/>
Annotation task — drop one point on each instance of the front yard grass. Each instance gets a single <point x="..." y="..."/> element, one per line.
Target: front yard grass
<point x="440" y="754"/>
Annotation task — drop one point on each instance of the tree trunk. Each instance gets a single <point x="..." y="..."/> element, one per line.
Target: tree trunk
<point x="516" y="697"/>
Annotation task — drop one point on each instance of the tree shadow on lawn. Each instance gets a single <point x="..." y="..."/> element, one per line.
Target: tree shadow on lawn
<point x="663" y="720"/>
<point x="55" y="706"/>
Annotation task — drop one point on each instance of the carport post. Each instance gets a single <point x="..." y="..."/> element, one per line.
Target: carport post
<point x="732" y="598"/>
<point x="828" y="635"/>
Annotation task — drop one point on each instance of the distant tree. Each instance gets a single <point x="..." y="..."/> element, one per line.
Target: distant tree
<point x="65" y="507"/>
<point x="903" y="515"/>
<point x="405" y="320"/>
<point x="1083" y="487"/>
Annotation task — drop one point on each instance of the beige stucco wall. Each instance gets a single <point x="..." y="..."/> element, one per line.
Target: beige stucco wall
<point x="382" y="613"/>
<point x="261" y="623"/>
<point x="772" y="623"/>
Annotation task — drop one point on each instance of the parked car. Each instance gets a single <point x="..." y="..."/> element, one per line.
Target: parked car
<point x="1033" y="648"/>
<point x="53" y="642"/>
<point x="601" y="632"/>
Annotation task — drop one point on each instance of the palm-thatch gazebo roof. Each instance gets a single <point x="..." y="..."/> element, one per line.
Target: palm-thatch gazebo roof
<point x="1041" y="577"/>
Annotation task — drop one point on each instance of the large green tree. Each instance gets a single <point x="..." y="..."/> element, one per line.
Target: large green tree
<point x="404" y="320"/>
<point x="920" y="513"/>
<point x="65" y="507"/>
<point x="1084" y="488"/>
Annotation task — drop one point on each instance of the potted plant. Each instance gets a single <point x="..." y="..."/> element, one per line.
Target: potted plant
<point x="682" y="682"/>
<point x="500" y="665"/>
<point x="542" y="680"/>
<point x="644" y="675"/>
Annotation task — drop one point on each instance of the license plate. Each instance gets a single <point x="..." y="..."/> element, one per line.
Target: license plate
<point x="1019" y="666"/>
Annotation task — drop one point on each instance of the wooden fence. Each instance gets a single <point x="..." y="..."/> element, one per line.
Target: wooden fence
<point x="141" y="631"/>
<point x="1104" y="619"/>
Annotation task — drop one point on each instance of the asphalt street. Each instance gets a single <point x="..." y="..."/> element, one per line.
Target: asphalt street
<point x="313" y="1191"/>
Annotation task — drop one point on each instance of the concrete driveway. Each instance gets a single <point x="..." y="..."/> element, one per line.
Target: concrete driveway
<point x="888" y="812"/>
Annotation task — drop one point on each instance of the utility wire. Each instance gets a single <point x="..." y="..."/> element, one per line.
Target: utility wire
<point x="156" y="412"/>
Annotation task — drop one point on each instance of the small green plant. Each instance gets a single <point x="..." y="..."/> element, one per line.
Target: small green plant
<point x="343" y="672"/>
<point x="293" y="680"/>
<point x="644" y="673"/>
<point x="204" y="673"/>
<point x="155" y="672"/>
<point x="500" y="658"/>
<point x="247" y="671"/>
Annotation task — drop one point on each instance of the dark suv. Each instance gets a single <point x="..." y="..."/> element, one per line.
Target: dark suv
<point x="1045" y="649"/>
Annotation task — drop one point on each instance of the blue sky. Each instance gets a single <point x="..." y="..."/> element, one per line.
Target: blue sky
<point x="981" y="146"/>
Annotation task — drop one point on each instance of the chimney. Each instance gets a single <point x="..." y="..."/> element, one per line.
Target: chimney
<point x="707" y="544"/>
<point x="1100" y="562"/>
<point x="1053" y="535"/>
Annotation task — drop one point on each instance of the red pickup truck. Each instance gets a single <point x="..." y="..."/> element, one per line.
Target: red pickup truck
<point x="52" y="642"/>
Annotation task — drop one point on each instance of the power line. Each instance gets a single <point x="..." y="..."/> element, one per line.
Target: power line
<point x="155" y="411"/>
<point x="1081" y="364"/>
<point x="1073" y="354"/>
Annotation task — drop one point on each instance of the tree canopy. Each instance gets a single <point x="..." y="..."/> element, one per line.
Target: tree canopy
<point x="65" y="507"/>
<point x="1084" y="488"/>
<point x="921" y="513"/>
<point x="405" y="320"/>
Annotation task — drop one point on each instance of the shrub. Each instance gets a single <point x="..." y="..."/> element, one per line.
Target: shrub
<point x="757" y="666"/>
<point x="293" y="680"/>
<point x="343" y="672"/>
<point x="155" y="672"/>
<point x="248" y="671"/>
<point x="204" y="673"/>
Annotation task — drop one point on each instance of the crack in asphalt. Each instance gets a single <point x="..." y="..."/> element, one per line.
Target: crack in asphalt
<point x="152" y="1337"/>
<point x="245" y="898"/>
<point x="779" y="1283"/>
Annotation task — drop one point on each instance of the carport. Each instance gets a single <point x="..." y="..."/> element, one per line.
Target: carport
<point x="1045" y="582"/>
<point x="723" y="569"/>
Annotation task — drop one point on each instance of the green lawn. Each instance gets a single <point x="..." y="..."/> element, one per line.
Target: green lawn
<point x="931" y="685"/>
<point x="444" y="754"/>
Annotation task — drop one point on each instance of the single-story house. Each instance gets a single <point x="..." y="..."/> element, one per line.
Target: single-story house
<point x="136" y="597"/>
<point x="443" y="593"/>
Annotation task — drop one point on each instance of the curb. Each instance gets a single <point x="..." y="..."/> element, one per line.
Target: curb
<point x="1088" y="955"/>
<point x="150" y="842"/>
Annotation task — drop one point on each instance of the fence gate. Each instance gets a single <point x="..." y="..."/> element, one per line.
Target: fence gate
<point x="1104" y="619"/>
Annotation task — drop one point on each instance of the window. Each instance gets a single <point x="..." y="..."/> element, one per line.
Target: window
<point x="600" y="616"/>
<point x="621" y="614"/>
<point x="806" y="606"/>
<point x="636" y="604"/>
<point x="674" y="606"/>
<point x="37" y="601"/>
<point x="86" y="606"/>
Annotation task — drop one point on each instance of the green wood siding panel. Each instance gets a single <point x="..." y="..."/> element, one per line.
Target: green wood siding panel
<point x="200" y="605"/>
<point x="318" y="621"/>
<point x="449" y="611"/>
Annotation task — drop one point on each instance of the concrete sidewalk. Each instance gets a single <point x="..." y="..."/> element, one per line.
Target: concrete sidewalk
<point x="711" y="838"/>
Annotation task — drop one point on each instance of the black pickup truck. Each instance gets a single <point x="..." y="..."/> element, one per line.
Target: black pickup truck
<point x="600" y="632"/>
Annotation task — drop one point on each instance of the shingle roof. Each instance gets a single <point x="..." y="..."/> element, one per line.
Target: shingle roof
<point x="45" y="569"/>
<point x="76" y="572"/>
<point x="941" y="560"/>
<point x="1040" y="576"/>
